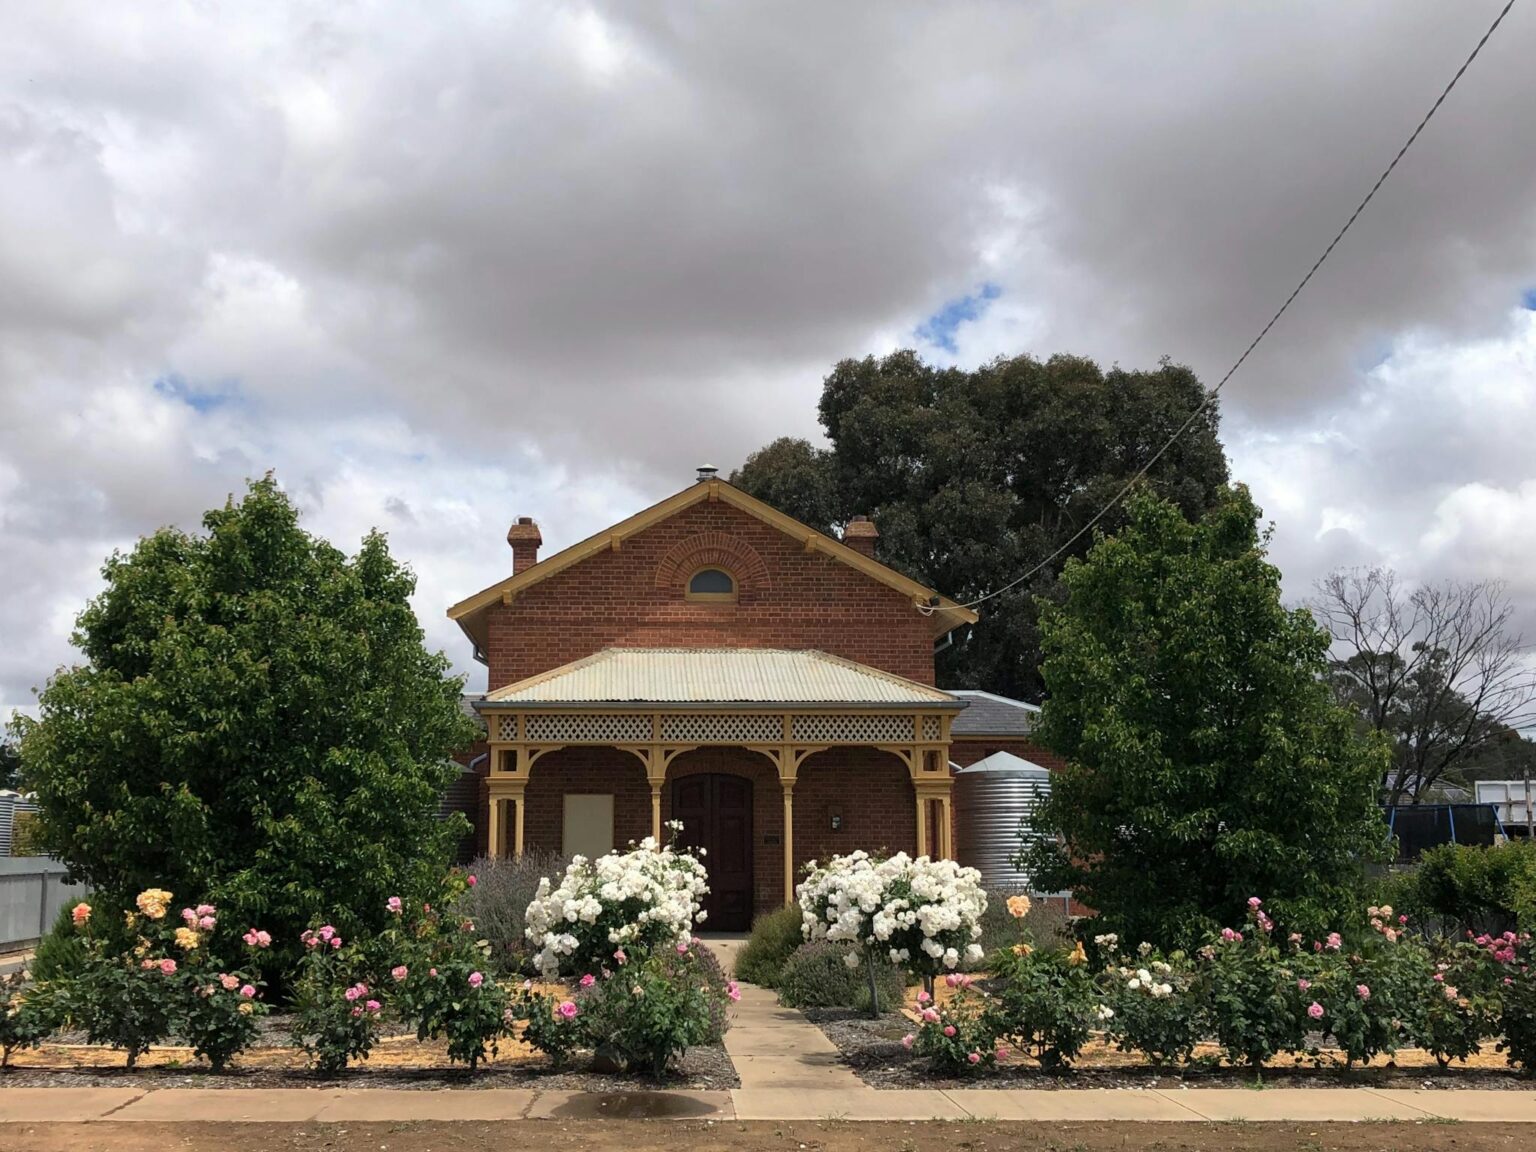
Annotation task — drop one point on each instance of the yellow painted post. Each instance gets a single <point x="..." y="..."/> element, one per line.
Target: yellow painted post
<point x="656" y="811"/>
<point x="493" y="827"/>
<point x="789" y="840"/>
<point x="946" y="828"/>
<point x="517" y="823"/>
<point x="922" y="822"/>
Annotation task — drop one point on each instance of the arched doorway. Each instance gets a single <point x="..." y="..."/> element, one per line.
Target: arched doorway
<point x="716" y="811"/>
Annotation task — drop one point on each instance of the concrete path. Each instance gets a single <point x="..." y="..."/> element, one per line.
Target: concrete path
<point x="1192" y="1105"/>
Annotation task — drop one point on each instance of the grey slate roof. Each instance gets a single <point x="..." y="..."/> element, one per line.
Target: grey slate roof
<point x="467" y="703"/>
<point x="987" y="714"/>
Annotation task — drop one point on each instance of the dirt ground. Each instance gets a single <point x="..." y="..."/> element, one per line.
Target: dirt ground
<point x="764" y="1136"/>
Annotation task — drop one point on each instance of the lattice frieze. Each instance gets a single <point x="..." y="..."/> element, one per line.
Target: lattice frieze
<point x="723" y="729"/>
<point x="577" y="728"/>
<point x="855" y="729"/>
<point x="933" y="728"/>
<point x="506" y="727"/>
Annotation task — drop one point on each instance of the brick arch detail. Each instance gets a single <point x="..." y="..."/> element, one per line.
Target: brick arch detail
<point x="714" y="550"/>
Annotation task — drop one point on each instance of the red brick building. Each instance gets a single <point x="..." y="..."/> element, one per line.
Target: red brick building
<point x="715" y="661"/>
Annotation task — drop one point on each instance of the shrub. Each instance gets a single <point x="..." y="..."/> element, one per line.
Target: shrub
<point x="498" y="904"/>
<point x="817" y="975"/>
<point x="1257" y="1007"/>
<point x="654" y="1010"/>
<point x="630" y="903"/>
<point x="1157" y="1006"/>
<point x="552" y="1025"/>
<point x="1459" y="1000"/>
<point x="166" y="979"/>
<point x="957" y="1038"/>
<point x="1516" y="955"/>
<point x="336" y="1013"/>
<point x="1044" y="1001"/>
<point x="61" y="953"/>
<point x="439" y="972"/>
<point x="222" y="1017"/>
<point x="775" y="936"/>
<point x="1474" y="889"/>
<point x="27" y="1015"/>
<point x="922" y="914"/>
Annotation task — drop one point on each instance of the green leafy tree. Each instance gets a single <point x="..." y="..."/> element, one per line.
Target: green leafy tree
<point x="973" y="477"/>
<point x="256" y="724"/>
<point x="10" y="763"/>
<point x="1207" y="760"/>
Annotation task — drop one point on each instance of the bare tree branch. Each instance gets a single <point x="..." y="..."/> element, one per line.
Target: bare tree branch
<point x="1436" y="668"/>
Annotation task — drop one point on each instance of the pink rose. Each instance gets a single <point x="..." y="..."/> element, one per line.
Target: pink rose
<point x="470" y="880"/>
<point x="733" y="990"/>
<point x="335" y="941"/>
<point x="373" y="1006"/>
<point x="1362" y="991"/>
<point x="394" y="905"/>
<point x="1315" y="1010"/>
<point x="682" y="949"/>
<point x="949" y="1029"/>
<point x="351" y="994"/>
<point x="1335" y="942"/>
<point x="620" y="956"/>
<point x="168" y="966"/>
<point x="80" y="913"/>
<point x="923" y="997"/>
<point x="431" y="971"/>
<point x="568" y="1009"/>
<point x="1002" y="1053"/>
<point x="930" y="1016"/>
<point x="1303" y="984"/>
<point x="907" y="1040"/>
<point x="973" y="1058"/>
<point x="399" y="972"/>
<point x="229" y="982"/>
<point x="475" y="979"/>
<point x="206" y="909"/>
<point x="357" y="1010"/>
<point x="326" y="932"/>
<point x="147" y="964"/>
<point x="1254" y="901"/>
<point x="588" y="980"/>
<point x="248" y="991"/>
<point x="206" y="922"/>
<point x="189" y="915"/>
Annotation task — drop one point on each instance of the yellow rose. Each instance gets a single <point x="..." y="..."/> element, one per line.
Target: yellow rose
<point x="1018" y="906"/>
<point x="1078" y="956"/>
<point x="245" y="1008"/>
<point x="152" y="902"/>
<point x="187" y="939"/>
<point x="1022" y="949"/>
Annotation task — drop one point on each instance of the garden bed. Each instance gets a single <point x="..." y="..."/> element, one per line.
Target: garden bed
<point x="873" y="1049"/>
<point x="398" y="1061"/>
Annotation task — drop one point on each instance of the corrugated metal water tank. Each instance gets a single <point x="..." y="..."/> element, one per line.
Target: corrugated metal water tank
<point x="994" y="799"/>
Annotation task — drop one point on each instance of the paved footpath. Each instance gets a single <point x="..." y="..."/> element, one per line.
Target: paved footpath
<point x="789" y="1070"/>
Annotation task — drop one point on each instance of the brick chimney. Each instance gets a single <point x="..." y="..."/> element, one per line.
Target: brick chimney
<point x="860" y="534"/>
<point x="525" y="540"/>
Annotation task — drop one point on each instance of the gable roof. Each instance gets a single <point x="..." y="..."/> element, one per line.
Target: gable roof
<point x="469" y="613"/>
<point x="717" y="676"/>
<point x="988" y="714"/>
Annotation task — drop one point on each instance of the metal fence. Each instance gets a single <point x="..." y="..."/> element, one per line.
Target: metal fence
<point x="32" y="890"/>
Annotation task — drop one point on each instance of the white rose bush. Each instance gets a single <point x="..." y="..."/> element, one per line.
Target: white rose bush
<point x="920" y="914"/>
<point x="608" y="910"/>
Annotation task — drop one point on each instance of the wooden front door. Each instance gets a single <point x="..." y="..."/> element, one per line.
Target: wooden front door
<point x="716" y="811"/>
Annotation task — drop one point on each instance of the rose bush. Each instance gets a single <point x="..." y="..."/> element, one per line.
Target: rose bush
<point x="165" y="978"/>
<point x="632" y="903"/>
<point x="337" y="1013"/>
<point x="440" y="974"/>
<point x="958" y="1037"/>
<point x="922" y="915"/>
<point x="1157" y="1005"/>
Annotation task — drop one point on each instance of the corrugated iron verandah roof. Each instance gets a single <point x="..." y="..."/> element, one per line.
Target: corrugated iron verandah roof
<point x="693" y="678"/>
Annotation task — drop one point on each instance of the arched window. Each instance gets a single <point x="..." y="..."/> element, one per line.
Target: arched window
<point x="711" y="584"/>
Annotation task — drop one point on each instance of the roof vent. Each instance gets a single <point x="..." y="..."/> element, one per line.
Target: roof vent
<point x="707" y="472"/>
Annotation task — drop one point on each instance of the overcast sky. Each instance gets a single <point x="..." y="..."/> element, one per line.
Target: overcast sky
<point x="440" y="265"/>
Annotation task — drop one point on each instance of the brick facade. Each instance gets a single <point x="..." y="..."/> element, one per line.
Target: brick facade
<point x="633" y="597"/>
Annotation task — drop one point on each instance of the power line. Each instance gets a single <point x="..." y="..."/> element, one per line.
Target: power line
<point x="1263" y="332"/>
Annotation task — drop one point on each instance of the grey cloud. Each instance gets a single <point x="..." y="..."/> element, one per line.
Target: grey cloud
<point x="570" y="248"/>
